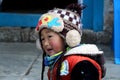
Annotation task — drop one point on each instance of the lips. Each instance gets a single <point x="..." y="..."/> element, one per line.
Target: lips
<point x="49" y="50"/>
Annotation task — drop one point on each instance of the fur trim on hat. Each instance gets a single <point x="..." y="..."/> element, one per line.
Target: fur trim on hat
<point x="51" y="21"/>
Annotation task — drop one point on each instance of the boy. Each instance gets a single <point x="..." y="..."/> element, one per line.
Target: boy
<point x="60" y="35"/>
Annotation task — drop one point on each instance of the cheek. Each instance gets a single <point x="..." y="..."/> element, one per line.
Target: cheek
<point x="56" y="45"/>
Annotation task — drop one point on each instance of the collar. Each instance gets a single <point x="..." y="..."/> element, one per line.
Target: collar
<point x="49" y="60"/>
<point x="84" y="49"/>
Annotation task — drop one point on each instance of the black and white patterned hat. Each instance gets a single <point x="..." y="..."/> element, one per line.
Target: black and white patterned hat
<point x="67" y="22"/>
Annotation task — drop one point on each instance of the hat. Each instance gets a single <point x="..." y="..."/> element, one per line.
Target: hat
<point x="66" y="22"/>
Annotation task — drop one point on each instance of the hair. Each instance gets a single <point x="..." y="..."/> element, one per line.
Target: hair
<point x="74" y="7"/>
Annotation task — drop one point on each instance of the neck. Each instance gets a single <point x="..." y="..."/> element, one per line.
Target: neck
<point x="49" y="60"/>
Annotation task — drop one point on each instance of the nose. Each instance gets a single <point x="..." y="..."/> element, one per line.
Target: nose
<point x="46" y="43"/>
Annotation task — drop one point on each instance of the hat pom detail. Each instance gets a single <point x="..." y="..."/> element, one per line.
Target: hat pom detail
<point x="73" y="38"/>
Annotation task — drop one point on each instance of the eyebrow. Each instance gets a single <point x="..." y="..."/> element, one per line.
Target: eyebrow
<point x="48" y="31"/>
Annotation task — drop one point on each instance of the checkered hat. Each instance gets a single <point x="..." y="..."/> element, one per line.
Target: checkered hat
<point x="69" y="17"/>
<point x="65" y="22"/>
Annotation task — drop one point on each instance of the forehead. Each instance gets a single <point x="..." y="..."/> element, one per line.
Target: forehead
<point x="46" y="31"/>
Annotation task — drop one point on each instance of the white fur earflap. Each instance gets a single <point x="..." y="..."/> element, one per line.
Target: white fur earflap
<point x="38" y="44"/>
<point x="73" y="38"/>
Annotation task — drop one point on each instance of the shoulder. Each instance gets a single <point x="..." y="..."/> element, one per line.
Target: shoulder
<point x="85" y="49"/>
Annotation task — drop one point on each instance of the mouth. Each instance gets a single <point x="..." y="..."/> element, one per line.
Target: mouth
<point x="50" y="50"/>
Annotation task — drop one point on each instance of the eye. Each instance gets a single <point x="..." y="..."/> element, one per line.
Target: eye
<point x="50" y="36"/>
<point x="42" y="39"/>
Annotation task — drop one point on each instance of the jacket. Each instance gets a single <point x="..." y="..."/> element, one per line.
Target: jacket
<point x="86" y="52"/>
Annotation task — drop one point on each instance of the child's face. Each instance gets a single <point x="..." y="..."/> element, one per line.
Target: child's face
<point x="52" y="43"/>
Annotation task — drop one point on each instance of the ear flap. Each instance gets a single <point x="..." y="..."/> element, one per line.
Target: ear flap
<point x="73" y="38"/>
<point x="38" y="44"/>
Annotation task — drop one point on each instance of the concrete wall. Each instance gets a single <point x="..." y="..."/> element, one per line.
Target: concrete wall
<point x="16" y="34"/>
